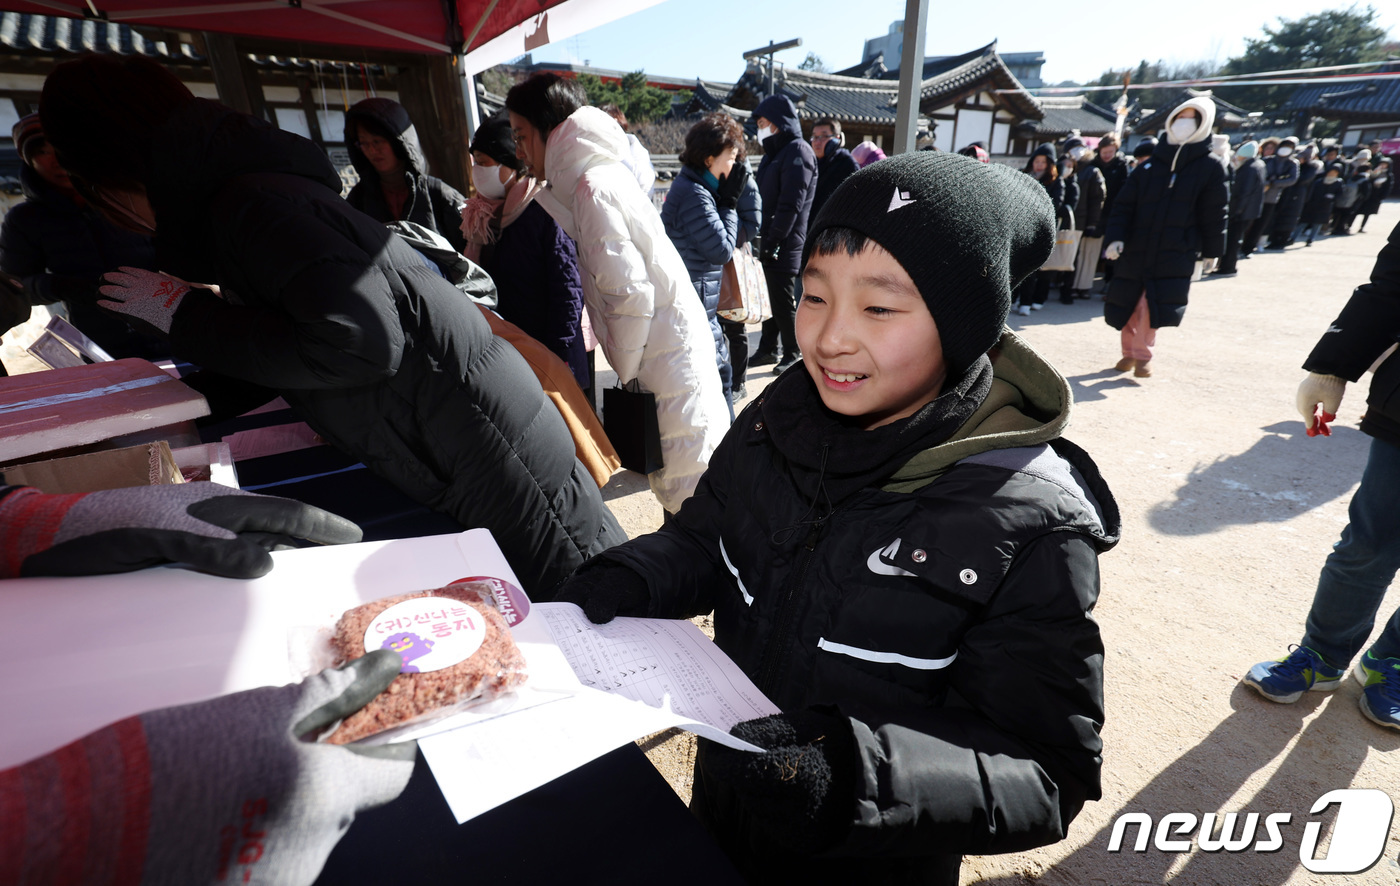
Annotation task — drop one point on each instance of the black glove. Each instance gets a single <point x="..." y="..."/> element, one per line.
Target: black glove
<point x="604" y="592"/>
<point x="731" y="186"/>
<point x="213" y="528"/>
<point x="15" y="305"/>
<point x="769" y="254"/>
<point x="801" y="792"/>
<point x="1091" y="232"/>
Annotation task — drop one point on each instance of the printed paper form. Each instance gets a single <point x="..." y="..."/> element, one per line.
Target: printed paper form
<point x="663" y="663"/>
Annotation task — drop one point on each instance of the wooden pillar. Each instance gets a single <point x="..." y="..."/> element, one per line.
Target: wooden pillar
<point x="234" y="76"/>
<point x="431" y="92"/>
<point x="310" y="108"/>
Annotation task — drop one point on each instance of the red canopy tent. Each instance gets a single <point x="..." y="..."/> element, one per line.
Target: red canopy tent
<point x="432" y="26"/>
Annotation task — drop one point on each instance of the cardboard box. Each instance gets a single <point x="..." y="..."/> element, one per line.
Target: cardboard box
<point x="98" y="406"/>
<point x="150" y="464"/>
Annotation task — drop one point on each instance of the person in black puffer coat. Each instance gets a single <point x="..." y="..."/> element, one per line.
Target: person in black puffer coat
<point x="1287" y="226"/>
<point x="324" y="305"/>
<point x="787" y="182"/>
<point x="1246" y="184"/>
<point x="1382" y="180"/>
<point x="394" y="183"/>
<point x="903" y="560"/>
<point x="1042" y="167"/>
<point x="59" y="247"/>
<point x="834" y="163"/>
<point x="701" y="215"/>
<point x="1321" y="201"/>
<point x="1169" y="215"/>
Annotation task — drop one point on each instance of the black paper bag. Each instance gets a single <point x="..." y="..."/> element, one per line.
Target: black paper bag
<point x="629" y="418"/>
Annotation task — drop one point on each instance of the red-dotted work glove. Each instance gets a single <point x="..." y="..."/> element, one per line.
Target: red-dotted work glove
<point x="210" y="527"/>
<point x="227" y="791"/>
<point x="801" y="792"/>
<point x="148" y="297"/>
<point x="1325" y="390"/>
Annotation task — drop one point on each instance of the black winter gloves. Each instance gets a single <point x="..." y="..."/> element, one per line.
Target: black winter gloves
<point x="605" y="591"/>
<point x="800" y="792"/>
<point x="731" y="186"/>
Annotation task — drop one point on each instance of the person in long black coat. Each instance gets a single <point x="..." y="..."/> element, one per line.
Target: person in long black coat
<point x="1169" y="215"/>
<point x="1382" y="181"/>
<point x="326" y="307"/>
<point x="1290" y="205"/>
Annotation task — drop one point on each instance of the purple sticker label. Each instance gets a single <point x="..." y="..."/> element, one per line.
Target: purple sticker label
<point x="510" y="600"/>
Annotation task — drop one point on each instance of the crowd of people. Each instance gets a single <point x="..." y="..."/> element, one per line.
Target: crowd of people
<point x="898" y="545"/>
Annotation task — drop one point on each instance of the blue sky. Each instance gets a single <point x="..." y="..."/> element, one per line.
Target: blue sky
<point x="687" y="38"/>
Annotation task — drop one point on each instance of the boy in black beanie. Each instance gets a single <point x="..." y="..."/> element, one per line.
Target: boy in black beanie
<point x="899" y="549"/>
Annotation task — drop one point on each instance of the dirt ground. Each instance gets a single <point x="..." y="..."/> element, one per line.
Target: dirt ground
<point x="1228" y="512"/>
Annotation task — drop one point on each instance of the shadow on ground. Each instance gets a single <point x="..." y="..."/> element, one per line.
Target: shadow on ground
<point x="1329" y="753"/>
<point x="1282" y="475"/>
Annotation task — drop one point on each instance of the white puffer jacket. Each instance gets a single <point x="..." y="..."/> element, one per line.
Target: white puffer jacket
<point x="642" y="305"/>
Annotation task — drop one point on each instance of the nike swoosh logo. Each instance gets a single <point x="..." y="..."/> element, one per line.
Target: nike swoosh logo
<point x="899" y="200"/>
<point x="877" y="565"/>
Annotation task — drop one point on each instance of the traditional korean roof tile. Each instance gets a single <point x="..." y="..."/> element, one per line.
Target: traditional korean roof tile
<point x="1375" y="100"/>
<point x="1074" y="113"/>
<point x="950" y="80"/>
<point x="48" y="35"/>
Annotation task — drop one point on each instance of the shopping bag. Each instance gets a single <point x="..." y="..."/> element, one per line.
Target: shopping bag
<point x="1066" y="248"/>
<point x="743" y="291"/>
<point x="629" y="418"/>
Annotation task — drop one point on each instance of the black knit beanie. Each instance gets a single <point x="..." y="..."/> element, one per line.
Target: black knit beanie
<point x="493" y="139"/>
<point x="965" y="232"/>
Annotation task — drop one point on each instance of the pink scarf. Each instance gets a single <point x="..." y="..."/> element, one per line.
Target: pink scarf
<point x="483" y="219"/>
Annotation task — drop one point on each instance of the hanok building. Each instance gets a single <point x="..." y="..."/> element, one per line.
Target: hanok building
<point x="1066" y="116"/>
<point x="973" y="97"/>
<point x="1367" y="110"/>
<point x="305" y="96"/>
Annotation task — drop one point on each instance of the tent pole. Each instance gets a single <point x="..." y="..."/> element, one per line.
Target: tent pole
<point x="911" y="71"/>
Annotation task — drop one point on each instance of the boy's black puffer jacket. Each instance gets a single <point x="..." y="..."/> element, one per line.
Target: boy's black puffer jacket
<point x="1369" y="323"/>
<point x="950" y="624"/>
<point x="380" y="355"/>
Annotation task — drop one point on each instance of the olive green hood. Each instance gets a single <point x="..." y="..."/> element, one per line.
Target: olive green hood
<point x="1029" y="404"/>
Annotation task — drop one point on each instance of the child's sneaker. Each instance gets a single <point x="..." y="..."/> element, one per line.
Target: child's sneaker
<point x="1285" y="680"/>
<point x="1380" y="693"/>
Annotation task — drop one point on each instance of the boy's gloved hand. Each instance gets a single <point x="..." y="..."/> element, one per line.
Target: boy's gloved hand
<point x="731" y="186"/>
<point x="211" y="527"/>
<point x="605" y="592"/>
<point x="146" y="296"/>
<point x="1326" y="390"/>
<point x="799" y="792"/>
<point x="1114" y="250"/>
<point x="227" y="790"/>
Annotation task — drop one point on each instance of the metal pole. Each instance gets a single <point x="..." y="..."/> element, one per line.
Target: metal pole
<point x="911" y="75"/>
<point x="771" y="89"/>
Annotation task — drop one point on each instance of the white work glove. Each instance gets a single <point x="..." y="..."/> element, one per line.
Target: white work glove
<point x="146" y="296"/>
<point x="1326" y="390"/>
<point x="1114" y="250"/>
<point x="1208" y="265"/>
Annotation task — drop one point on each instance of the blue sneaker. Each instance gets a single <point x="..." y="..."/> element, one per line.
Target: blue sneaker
<point x="1380" y="692"/>
<point x="1285" y="680"/>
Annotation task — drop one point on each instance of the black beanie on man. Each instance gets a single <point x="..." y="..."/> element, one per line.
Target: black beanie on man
<point x="965" y="232"/>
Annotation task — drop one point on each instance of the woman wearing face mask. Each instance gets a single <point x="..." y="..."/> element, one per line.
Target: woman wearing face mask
<point x="1282" y="169"/>
<point x="1170" y="214"/>
<point x="532" y="260"/>
<point x="701" y="215"/>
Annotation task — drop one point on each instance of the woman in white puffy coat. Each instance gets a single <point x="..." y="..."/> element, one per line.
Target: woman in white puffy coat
<point x="636" y="289"/>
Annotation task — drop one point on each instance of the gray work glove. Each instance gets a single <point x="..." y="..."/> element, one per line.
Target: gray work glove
<point x="223" y="791"/>
<point x="1326" y="391"/>
<point x="210" y="527"/>
<point x="147" y="297"/>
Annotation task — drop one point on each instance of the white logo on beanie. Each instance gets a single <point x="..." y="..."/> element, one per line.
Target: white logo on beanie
<point x="899" y="200"/>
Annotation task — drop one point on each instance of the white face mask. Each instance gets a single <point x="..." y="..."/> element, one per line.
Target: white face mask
<point x="1284" y="152"/>
<point x="1184" y="129"/>
<point x="1077" y="153"/>
<point x="764" y="132"/>
<point x="488" y="182"/>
